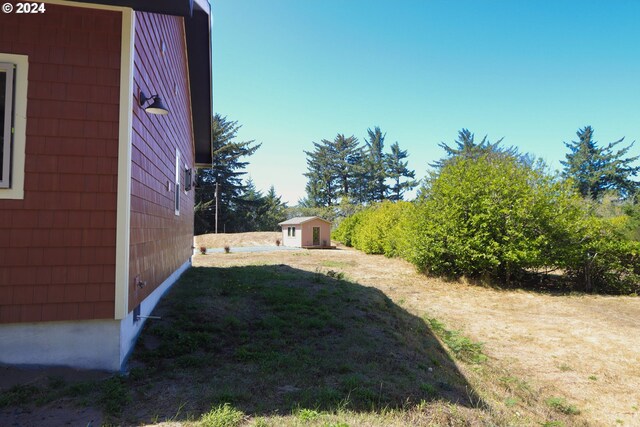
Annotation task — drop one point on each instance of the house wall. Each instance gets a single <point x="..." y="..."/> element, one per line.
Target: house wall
<point x="57" y="244"/>
<point x="160" y="241"/>
<point x="307" y="232"/>
<point x="292" y="241"/>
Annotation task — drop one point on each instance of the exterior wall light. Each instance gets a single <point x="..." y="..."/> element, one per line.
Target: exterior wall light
<point x="156" y="107"/>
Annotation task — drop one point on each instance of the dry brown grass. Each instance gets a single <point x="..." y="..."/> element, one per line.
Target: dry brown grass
<point x="584" y="348"/>
<point x="259" y="238"/>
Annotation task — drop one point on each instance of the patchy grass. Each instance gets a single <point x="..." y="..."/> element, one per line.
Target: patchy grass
<point x="560" y="404"/>
<point x="221" y="416"/>
<point x="272" y="345"/>
<point x="271" y="339"/>
<point x="462" y="347"/>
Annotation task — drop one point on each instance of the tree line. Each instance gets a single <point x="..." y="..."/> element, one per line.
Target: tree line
<point x="497" y="215"/>
<point x="583" y="220"/>
<point x="341" y="170"/>
<point x="241" y="207"/>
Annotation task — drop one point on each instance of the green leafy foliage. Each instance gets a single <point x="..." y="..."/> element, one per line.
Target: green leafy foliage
<point x="604" y="260"/>
<point x="378" y="229"/>
<point x="491" y="217"/>
<point x="500" y="219"/>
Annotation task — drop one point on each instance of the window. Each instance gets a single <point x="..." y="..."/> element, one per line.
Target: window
<point x="291" y="231"/>
<point x="6" y="122"/>
<point x="178" y="179"/>
<point x="13" y="124"/>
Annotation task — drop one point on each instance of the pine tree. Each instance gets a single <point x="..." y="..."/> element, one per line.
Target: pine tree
<point x="466" y="148"/>
<point x="273" y="213"/>
<point x="396" y="170"/>
<point x="330" y="170"/>
<point x="250" y="208"/>
<point x="227" y="169"/>
<point x="321" y="184"/>
<point x="344" y="153"/>
<point x="375" y="171"/>
<point x="595" y="169"/>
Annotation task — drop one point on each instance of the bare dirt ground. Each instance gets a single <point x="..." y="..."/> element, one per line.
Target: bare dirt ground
<point x="584" y="348"/>
<point x="259" y="238"/>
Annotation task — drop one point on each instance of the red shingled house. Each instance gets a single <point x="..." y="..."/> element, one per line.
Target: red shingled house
<point x="106" y="111"/>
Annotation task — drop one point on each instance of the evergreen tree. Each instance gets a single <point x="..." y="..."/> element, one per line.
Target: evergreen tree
<point x="250" y="208"/>
<point x="345" y="153"/>
<point x="359" y="186"/>
<point x="330" y="170"/>
<point x="273" y="212"/>
<point x="375" y="171"/>
<point x="396" y="170"/>
<point x="595" y="169"/>
<point x="465" y="147"/>
<point x="227" y="169"/>
<point x="321" y="184"/>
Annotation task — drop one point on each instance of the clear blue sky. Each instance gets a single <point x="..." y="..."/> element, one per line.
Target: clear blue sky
<point x="297" y="71"/>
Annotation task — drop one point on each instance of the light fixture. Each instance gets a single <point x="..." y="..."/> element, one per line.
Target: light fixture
<point x="156" y="107"/>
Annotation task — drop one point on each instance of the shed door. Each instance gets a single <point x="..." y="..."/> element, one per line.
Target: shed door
<point x="316" y="236"/>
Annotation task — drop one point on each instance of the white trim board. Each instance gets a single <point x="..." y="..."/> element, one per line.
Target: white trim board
<point x="123" y="213"/>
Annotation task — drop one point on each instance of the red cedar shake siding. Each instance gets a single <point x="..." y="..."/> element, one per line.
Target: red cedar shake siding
<point x="57" y="246"/>
<point x="160" y="240"/>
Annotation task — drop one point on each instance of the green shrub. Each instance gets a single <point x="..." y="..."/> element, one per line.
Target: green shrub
<point x="377" y="231"/>
<point x="501" y="219"/>
<point x="344" y="232"/>
<point x="604" y="260"/>
<point x="491" y="217"/>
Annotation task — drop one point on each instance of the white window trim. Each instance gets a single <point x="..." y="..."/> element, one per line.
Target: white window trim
<point x="185" y="185"/>
<point x="21" y="73"/>
<point x="176" y="189"/>
<point x="8" y="70"/>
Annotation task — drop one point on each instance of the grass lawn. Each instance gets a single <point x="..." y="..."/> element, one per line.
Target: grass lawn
<point x="339" y="338"/>
<point x="274" y="345"/>
<point x="273" y="341"/>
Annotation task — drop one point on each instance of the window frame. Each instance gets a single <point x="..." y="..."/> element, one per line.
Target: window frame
<point x="7" y="138"/>
<point x="178" y="179"/>
<point x="18" y="128"/>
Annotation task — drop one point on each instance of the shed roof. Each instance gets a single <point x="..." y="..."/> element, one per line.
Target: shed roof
<point x="302" y="219"/>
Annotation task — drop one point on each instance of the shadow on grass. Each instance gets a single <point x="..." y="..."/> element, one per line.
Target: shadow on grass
<point x="272" y="339"/>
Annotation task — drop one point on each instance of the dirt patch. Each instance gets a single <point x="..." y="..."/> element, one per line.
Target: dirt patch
<point x="260" y="238"/>
<point x="583" y="348"/>
<point x="56" y="413"/>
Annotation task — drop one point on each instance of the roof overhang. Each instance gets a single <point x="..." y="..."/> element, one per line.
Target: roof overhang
<point x="197" y="22"/>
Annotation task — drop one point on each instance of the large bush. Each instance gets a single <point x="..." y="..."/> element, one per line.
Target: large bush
<point x="379" y="229"/>
<point x="502" y="220"/>
<point x="346" y="229"/>
<point x="492" y="217"/>
<point x="603" y="259"/>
